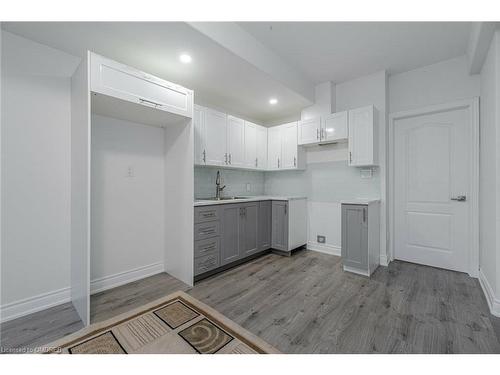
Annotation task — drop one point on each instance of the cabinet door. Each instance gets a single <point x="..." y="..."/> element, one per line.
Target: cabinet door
<point x="279" y="235"/>
<point x="264" y="230"/>
<point x="309" y="131"/>
<point x="361" y="137"/>
<point x="334" y="127"/>
<point x="248" y="229"/>
<point x="215" y="137"/>
<point x="124" y="82"/>
<point x="355" y="236"/>
<point x="261" y="147"/>
<point x="289" y="148"/>
<point x="235" y="141"/>
<point x="274" y="148"/>
<point x="250" y="145"/>
<point x="199" y="135"/>
<point x="231" y="216"/>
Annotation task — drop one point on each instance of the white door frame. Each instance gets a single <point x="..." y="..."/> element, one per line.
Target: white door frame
<point x="473" y="106"/>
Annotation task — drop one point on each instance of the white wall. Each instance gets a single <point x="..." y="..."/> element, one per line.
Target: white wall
<point x="128" y="208"/>
<point x="35" y="172"/>
<point x="443" y="82"/>
<point x="489" y="183"/>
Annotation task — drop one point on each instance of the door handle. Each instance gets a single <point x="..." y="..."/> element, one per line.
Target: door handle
<point x="459" y="198"/>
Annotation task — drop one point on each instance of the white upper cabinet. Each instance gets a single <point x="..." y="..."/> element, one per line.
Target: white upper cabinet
<point x="120" y="81"/>
<point x="325" y="129"/>
<point x="289" y="149"/>
<point x="283" y="150"/>
<point x="255" y="146"/>
<point x="261" y="148"/>
<point x="334" y="127"/>
<point x="362" y="137"/>
<point x="235" y="142"/>
<point x="215" y="137"/>
<point x="309" y="131"/>
<point x="274" y="148"/>
<point x="250" y="145"/>
<point x="200" y="154"/>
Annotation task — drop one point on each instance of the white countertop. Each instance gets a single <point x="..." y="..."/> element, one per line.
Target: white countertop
<point x="201" y="202"/>
<point x="360" y="201"/>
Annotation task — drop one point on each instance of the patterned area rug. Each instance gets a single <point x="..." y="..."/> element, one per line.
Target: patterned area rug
<point x="176" y="324"/>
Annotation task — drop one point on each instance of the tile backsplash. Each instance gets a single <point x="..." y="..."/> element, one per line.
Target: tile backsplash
<point x="325" y="181"/>
<point x="235" y="180"/>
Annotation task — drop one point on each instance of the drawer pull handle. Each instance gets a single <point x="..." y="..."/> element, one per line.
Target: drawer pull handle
<point x="144" y="101"/>
<point x="208" y="214"/>
<point x="207" y="231"/>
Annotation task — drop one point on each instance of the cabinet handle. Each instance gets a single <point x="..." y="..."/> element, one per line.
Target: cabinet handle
<point x="204" y="156"/>
<point x="294" y="161"/>
<point x="256" y="162"/>
<point x="229" y="158"/>
<point x="208" y="214"/>
<point x="350" y="157"/>
<point x="225" y="158"/>
<point x="286" y="209"/>
<point x="144" y="101"/>
<point x="321" y="134"/>
<point x="364" y="215"/>
<point x="278" y="162"/>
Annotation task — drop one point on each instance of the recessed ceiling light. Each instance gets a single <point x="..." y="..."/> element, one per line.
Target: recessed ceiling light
<point x="185" y="58"/>
<point x="273" y="101"/>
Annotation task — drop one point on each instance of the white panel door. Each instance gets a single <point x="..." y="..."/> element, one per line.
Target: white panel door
<point x="309" y="131"/>
<point x="199" y="135"/>
<point x="289" y="148"/>
<point x="215" y="137"/>
<point x="432" y="165"/>
<point x="261" y="147"/>
<point x="235" y="142"/>
<point x="361" y="137"/>
<point x="274" y="148"/>
<point x="334" y="127"/>
<point x="250" y="145"/>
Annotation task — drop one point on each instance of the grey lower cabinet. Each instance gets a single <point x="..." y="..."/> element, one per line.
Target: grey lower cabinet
<point x="279" y="227"/>
<point x="264" y="231"/>
<point x="228" y="233"/>
<point x="360" y="238"/>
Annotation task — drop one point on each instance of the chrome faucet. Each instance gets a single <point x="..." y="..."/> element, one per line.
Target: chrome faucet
<point x="218" y="188"/>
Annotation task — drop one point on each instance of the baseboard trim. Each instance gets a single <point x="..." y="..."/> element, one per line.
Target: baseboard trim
<point x="26" y="306"/>
<point x="493" y="302"/>
<point x="20" y="308"/>
<point x="323" y="248"/>
<point x="122" y="278"/>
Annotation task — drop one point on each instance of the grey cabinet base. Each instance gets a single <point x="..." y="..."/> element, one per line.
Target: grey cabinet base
<point x="288" y="253"/>
<point x="230" y="265"/>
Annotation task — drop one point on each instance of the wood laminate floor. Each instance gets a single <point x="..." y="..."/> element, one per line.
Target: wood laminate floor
<point x="307" y="304"/>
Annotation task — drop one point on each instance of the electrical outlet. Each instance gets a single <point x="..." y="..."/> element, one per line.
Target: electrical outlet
<point x="366" y="173"/>
<point x="321" y="239"/>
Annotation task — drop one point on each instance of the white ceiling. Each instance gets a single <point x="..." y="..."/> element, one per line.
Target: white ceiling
<point x="225" y="79"/>
<point x="219" y="78"/>
<point x="340" y="51"/>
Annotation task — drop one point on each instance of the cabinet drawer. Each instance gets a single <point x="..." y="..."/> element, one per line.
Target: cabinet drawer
<point x="206" y="230"/>
<point x="203" y="214"/>
<point x="206" y="263"/>
<point x="206" y="247"/>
